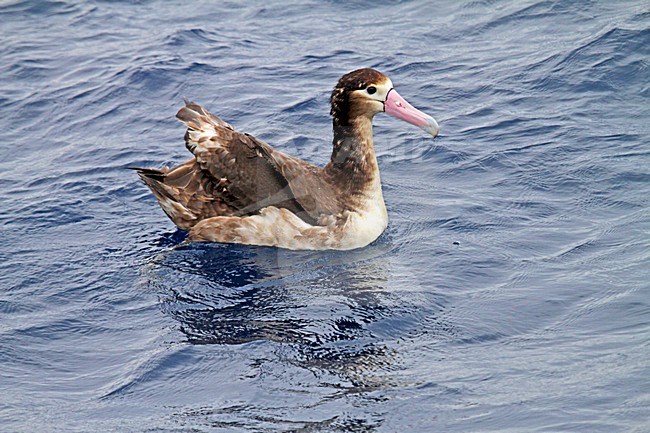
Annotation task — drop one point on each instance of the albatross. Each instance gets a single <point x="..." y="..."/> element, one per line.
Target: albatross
<point x="238" y="189"/>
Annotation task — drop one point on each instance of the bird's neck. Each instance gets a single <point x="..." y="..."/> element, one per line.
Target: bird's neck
<point x="353" y="156"/>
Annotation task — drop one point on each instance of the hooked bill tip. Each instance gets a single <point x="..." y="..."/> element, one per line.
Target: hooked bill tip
<point x="431" y="127"/>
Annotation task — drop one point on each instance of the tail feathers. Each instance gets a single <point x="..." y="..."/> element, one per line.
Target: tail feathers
<point x="151" y="173"/>
<point x="168" y="197"/>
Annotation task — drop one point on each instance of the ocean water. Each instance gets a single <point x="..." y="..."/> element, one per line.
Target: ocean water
<point x="510" y="292"/>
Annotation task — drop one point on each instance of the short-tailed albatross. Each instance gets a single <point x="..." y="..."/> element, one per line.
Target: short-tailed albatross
<point x="238" y="189"/>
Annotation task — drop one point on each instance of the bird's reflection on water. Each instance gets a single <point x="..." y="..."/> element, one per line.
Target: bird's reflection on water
<point x="319" y="303"/>
<point x="314" y="332"/>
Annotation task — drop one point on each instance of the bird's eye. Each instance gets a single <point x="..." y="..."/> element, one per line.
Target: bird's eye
<point x="371" y="90"/>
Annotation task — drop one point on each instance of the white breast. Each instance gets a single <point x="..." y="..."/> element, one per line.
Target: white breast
<point x="369" y="222"/>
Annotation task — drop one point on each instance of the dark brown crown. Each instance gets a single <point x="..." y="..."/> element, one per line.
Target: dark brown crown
<point x="355" y="80"/>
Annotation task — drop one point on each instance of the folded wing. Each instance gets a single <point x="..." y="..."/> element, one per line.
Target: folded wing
<point x="235" y="174"/>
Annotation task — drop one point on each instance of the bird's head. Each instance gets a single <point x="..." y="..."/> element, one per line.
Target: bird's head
<point x="366" y="92"/>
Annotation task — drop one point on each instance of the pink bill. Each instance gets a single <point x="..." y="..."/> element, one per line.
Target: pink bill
<point x="397" y="106"/>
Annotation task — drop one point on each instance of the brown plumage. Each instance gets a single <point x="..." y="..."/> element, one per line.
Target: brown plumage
<point x="237" y="188"/>
<point x="234" y="174"/>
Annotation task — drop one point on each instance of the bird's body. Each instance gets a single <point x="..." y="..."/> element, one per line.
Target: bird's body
<point x="238" y="189"/>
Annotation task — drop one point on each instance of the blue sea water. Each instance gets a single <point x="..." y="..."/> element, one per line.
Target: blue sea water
<point x="510" y="292"/>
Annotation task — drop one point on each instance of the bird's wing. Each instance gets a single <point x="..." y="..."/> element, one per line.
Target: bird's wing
<point x="254" y="174"/>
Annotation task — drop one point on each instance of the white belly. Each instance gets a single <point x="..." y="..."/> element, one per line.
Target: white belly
<point x="352" y="230"/>
<point x="364" y="226"/>
<point x="281" y="228"/>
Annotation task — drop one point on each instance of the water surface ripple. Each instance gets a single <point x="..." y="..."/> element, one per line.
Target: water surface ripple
<point x="509" y="293"/>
